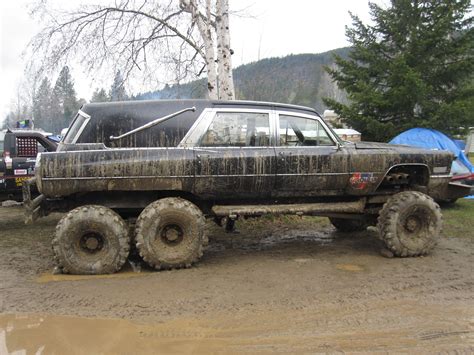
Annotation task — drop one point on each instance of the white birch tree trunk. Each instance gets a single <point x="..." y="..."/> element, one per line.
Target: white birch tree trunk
<point x="224" y="60"/>
<point x="205" y="29"/>
<point x="212" y="85"/>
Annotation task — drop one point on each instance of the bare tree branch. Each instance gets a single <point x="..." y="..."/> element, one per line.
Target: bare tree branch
<point x="167" y="38"/>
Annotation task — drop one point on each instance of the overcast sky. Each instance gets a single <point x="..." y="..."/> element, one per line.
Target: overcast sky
<point x="276" y="28"/>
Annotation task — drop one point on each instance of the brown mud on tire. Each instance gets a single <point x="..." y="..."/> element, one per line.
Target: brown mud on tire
<point x="91" y="240"/>
<point x="410" y="223"/>
<point x="170" y="233"/>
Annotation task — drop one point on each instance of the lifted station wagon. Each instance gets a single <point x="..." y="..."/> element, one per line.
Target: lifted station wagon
<point x="170" y="165"/>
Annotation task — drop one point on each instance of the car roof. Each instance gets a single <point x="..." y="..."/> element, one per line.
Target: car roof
<point x="200" y="104"/>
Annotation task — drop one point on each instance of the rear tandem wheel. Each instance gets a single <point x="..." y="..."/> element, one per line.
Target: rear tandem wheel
<point x="170" y="233"/>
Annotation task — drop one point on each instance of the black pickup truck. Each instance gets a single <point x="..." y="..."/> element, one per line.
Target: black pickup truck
<point x="172" y="164"/>
<point x="18" y="151"/>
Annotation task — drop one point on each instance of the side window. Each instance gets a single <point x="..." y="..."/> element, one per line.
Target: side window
<point x="237" y="129"/>
<point x="300" y="131"/>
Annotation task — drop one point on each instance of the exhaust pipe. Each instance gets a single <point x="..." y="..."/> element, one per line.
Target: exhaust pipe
<point x="397" y="177"/>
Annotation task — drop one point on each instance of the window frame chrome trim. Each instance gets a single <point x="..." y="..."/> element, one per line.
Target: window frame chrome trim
<point x="87" y="118"/>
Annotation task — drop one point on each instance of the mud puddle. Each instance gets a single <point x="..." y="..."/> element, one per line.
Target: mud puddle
<point x="128" y="271"/>
<point x="48" y="334"/>
<point x="320" y="330"/>
<point x="275" y="239"/>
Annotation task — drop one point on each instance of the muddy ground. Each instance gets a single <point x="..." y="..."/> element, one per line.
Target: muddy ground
<point x="283" y="285"/>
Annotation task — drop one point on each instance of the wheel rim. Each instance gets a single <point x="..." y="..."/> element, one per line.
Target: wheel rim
<point x="91" y="243"/>
<point x="415" y="226"/>
<point x="172" y="234"/>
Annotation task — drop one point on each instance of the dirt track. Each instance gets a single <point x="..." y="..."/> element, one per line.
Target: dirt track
<point x="289" y="285"/>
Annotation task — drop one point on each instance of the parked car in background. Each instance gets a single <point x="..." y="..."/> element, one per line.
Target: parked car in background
<point x="18" y="151"/>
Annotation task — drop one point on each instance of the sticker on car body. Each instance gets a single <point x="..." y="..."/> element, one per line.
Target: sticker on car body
<point x="20" y="172"/>
<point x="360" y="181"/>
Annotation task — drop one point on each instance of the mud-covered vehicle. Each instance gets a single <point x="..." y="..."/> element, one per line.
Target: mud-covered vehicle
<point x="18" y="151"/>
<point x="167" y="166"/>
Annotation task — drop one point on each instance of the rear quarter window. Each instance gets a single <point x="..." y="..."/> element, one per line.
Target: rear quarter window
<point x="166" y="134"/>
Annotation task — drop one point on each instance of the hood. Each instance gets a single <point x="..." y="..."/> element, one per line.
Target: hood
<point x="396" y="148"/>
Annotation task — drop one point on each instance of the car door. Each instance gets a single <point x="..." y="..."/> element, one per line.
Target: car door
<point x="309" y="160"/>
<point x="235" y="157"/>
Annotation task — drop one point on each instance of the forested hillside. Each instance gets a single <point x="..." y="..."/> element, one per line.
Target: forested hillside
<point x="297" y="79"/>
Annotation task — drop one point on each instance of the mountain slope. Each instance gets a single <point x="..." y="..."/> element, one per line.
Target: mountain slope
<point x="296" y="79"/>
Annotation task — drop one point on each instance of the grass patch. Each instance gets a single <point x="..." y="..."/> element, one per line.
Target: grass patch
<point x="458" y="219"/>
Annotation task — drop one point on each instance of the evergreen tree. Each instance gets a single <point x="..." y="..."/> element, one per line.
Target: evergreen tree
<point x="42" y="106"/>
<point x="117" y="90"/>
<point x="81" y="102"/>
<point x="413" y="67"/>
<point x="99" y="96"/>
<point x="64" y="100"/>
<point x="10" y="121"/>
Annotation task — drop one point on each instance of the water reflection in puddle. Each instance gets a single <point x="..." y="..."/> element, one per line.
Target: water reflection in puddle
<point x="47" y="334"/>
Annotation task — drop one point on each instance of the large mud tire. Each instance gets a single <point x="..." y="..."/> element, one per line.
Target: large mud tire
<point x="349" y="225"/>
<point x="91" y="240"/>
<point x="410" y="224"/>
<point x="170" y="233"/>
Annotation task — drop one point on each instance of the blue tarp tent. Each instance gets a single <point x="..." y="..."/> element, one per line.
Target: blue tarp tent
<point x="432" y="139"/>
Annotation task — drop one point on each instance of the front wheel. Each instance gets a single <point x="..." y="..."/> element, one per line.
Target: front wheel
<point x="410" y="223"/>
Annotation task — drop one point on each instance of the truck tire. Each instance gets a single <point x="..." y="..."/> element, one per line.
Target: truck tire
<point x="349" y="225"/>
<point x="170" y="233"/>
<point x="410" y="223"/>
<point x="91" y="240"/>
